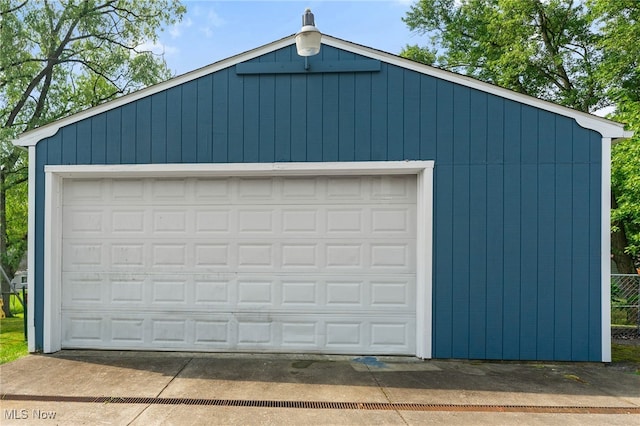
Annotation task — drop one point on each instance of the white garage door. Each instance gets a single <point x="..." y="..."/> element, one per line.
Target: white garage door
<point x="315" y="264"/>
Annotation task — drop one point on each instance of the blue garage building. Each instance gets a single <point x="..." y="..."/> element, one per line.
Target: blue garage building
<point x="363" y="204"/>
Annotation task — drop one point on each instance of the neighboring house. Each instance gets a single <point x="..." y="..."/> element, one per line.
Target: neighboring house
<point x="367" y="205"/>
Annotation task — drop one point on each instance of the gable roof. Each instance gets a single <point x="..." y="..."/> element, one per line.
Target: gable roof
<point x="607" y="128"/>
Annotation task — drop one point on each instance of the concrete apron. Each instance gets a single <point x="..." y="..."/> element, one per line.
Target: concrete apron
<point x="59" y="388"/>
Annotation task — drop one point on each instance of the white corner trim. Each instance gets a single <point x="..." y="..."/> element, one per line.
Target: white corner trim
<point x="424" y="265"/>
<point x="55" y="175"/>
<point x="52" y="264"/>
<point x="31" y="251"/>
<point x="605" y="241"/>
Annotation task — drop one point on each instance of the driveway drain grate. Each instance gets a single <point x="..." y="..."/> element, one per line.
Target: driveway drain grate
<point x="325" y="405"/>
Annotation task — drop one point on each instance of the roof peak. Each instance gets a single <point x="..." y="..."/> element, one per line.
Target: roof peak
<point x="607" y="128"/>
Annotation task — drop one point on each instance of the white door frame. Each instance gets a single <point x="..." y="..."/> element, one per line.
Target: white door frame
<point x="54" y="176"/>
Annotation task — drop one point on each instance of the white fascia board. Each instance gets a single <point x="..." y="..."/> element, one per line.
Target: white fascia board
<point x="607" y="128"/>
<point x="34" y="136"/>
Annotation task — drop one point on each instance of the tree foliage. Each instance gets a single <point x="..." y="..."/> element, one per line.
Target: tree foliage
<point x="544" y="49"/>
<point x="16" y="211"/>
<point x="583" y="54"/>
<point x="619" y="23"/>
<point x="58" y="58"/>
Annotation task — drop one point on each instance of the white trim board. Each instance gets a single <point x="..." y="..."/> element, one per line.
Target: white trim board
<point x="55" y="175"/>
<point x="605" y="250"/>
<point x="607" y="128"/>
<point x="31" y="251"/>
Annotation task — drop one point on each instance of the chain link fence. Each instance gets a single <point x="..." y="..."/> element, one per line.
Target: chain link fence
<point x="625" y="306"/>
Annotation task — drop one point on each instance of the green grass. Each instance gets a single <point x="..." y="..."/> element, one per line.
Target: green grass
<point x="624" y="316"/>
<point x="12" y="343"/>
<point x="16" y="306"/>
<point x="629" y="354"/>
<point x="625" y="353"/>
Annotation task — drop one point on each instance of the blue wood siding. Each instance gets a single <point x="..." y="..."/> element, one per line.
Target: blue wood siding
<point x="517" y="190"/>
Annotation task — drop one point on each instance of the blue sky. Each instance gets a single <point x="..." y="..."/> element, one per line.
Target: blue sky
<point x="214" y="30"/>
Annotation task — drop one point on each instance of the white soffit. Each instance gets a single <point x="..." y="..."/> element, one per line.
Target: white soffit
<point x="607" y="128"/>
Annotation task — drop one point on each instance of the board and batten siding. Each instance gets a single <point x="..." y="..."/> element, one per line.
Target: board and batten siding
<point x="516" y="189"/>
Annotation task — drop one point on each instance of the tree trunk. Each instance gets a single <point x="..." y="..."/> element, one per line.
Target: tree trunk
<point x="3" y="246"/>
<point x="624" y="262"/>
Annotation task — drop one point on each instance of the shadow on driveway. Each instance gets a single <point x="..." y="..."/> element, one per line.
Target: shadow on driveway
<point x="150" y="373"/>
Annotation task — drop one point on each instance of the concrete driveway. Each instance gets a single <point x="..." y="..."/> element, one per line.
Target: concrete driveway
<point x="141" y="388"/>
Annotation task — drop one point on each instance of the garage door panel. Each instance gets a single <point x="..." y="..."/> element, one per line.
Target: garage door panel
<point x="249" y="255"/>
<point x="87" y="290"/>
<point x="82" y="221"/>
<point x="130" y="292"/>
<point x="391" y="256"/>
<point x="294" y="222"/>
<point x="345" y="220"/>
<point x="124" y="332"/>
<point x="169" y="291"/>
<point x="169" y="256"/>
<point x="83" y="255"/>
<point x="396" y="221"/>
<point x="82" y="191"/>
<point x="211" y="255"/>
<point x="300" y="222"/>
<point x="300" y="256"/>
<point x="210" y="292"/>
<point x="301" y="189"/>
<point x="256" y="255"/>
<point x="297" y="293"/>
<point x="125" y="256"/>
<point x="213" y="190"/>
<point x="83" y="330"/>
<point x="325" y="264"/>
<point x="211" y="332"/>
<point x="127" y="189"/>
<point x="170" y="221"/>
<point x="169" y="331"/>
<point x="392" y="293"/>
<point x="298" y="334"/>
<point x="346" y="188"/>
<point x="396" y="188"/>
<point x="173" y="190"/>
<point x="390" y="334"/>
<point x="215" y="221"/>
<point x="238" y="191"/>
<point x="254" y="189"/>
<point x="239" y="332"/>
<point x="128" y="222"/>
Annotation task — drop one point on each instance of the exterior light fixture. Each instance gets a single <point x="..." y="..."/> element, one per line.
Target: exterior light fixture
<point x="308" y="38"/>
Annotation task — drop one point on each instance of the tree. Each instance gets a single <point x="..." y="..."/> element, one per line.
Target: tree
<point x="619" y="22"/>
<point x="58" y="58"/>
<point x="551" y="49"/>
<point x="542" y="48"/>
